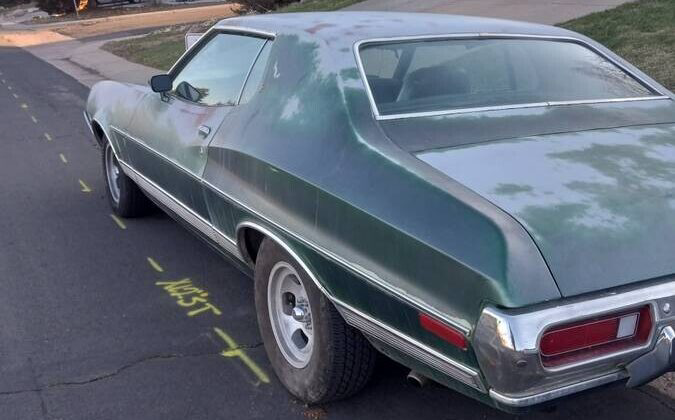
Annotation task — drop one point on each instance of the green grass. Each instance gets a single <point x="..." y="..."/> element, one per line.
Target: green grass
<point x="642" y="32"/>
<point x="160" y="49"/>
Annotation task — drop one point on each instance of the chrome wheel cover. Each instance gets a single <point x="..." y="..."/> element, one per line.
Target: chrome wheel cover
<point x="290" y="314"/>
<point x="112" y="172"/>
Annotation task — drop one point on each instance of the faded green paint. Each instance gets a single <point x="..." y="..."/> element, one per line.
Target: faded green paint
<point x="306" y="159"/>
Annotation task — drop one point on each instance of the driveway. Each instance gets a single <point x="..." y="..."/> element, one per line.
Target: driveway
<point x="539" y="11"/>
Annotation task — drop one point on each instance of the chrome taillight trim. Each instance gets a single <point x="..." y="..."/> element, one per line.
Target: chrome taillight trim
<point x="506" y="343"/>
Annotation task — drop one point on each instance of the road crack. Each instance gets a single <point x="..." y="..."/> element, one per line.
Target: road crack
<point x="115" y="372"/>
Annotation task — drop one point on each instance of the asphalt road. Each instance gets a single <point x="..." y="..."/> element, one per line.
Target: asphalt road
<point x="85" y="331"/>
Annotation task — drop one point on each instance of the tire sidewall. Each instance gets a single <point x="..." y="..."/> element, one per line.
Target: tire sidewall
<point x="309" y="383"/>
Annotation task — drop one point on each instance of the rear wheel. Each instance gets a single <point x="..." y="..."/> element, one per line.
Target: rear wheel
<point x="315" y="354"/>
<point x="126" y="199"/>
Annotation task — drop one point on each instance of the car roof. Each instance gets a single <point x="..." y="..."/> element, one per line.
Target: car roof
<point x="351" y="27"/>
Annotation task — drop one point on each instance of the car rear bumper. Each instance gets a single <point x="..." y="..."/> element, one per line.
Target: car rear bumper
<point x="507" y="347"/>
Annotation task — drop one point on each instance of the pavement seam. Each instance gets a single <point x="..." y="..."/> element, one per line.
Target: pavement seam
<point x="117" y="371"/>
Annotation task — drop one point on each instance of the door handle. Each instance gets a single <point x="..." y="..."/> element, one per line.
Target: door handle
<point x="204" y="130"/>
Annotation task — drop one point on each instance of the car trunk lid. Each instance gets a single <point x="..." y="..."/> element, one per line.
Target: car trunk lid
<point x="599" y="203"/>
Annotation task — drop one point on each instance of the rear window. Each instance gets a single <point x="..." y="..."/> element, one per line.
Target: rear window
<point x="426" y="76"/>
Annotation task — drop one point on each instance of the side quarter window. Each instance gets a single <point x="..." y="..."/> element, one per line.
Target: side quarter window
<point x="216" y="74"/>
<point x="255" y="82"/>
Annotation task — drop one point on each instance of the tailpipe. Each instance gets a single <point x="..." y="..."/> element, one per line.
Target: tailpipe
<point x="417" y="379"/>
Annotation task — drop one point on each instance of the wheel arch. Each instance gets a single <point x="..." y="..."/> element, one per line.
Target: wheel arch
<point x="249" y="238"/>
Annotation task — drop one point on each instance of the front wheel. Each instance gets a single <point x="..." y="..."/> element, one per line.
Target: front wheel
<point x="126" y="199"/>
<point x="315" y="354"/>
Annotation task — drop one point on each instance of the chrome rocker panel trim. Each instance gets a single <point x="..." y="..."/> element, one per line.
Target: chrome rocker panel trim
<point x="411" y="347"/>
<point x="504" y="339"/>
<point x="180" y="209"/>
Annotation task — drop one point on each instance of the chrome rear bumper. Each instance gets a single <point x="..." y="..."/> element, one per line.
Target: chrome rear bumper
<point x="507" y="347"/>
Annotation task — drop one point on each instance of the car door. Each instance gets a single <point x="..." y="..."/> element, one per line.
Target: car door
<point x="168" y="137"/>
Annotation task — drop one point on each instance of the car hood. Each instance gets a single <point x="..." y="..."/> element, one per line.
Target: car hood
<point x="600" y="204"/>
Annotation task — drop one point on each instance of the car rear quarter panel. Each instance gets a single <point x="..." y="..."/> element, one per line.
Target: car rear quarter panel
<point x="302" y="159"/>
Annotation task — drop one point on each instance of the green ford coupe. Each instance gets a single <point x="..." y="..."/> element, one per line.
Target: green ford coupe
<point x="491" y="203"/>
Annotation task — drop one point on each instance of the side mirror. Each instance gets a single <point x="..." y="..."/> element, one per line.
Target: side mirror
<point x="161" y="83"/>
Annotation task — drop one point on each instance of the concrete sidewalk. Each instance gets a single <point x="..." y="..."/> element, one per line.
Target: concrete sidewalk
<point x="84" y="61"/>
<point x="538" y="11"/>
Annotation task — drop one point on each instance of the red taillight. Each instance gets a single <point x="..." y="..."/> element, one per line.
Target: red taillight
<point x="446" y="332"/>
<point x="594" y="337"/>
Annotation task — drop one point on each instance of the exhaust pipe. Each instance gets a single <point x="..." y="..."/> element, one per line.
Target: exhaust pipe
<point x="417" y="379"/>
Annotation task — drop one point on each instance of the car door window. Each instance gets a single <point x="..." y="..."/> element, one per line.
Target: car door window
<point x="215" y="75"/>
<point x="255" y="80"/>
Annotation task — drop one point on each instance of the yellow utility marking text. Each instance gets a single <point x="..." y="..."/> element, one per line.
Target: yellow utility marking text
<point x="155" y="265"/>
<point x="63" y="158"/>
<point x="234" y="350"/>
<point x="85" y="187"/>
<point x="189" y="296"/>
<point x="119" y="221"/>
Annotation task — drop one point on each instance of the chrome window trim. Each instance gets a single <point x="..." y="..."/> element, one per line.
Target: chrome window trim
<point x="504" y="339"/>
<point x="243" y="30"/>
<point x="250" y="70"/>
<point x="658" y="95"/>
<point x="205" y="37"/>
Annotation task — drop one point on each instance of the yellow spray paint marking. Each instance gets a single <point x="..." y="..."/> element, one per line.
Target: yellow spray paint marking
<point x="119" y="221"/>
<point x="155" y="265"/>
<point x="85" y="187"/>
<point x="34" y="119"/>
<point x="15" y="96"/>
<point x="234" y="350"/>
<point x="188" y="295"/>
<point x="48" y="137"/>
<point x="24" y="106"/>
<point x="63" y="158"/>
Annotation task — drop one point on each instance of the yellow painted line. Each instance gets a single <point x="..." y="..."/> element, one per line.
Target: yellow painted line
<point x="85" y="187"/>
<point x="119" y="221"/>
<point x="34" y="119"/>
<point x="15" y="96"/>
<point x="48" y="137"/>
<point x="233" y="351"/>
<point x="155" y="265"/>
<point x="63" y="158"/>
<point x="24" y="106"/>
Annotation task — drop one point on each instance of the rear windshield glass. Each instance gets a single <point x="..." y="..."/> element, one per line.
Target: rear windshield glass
<point x="423" y="76"/>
